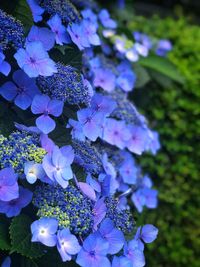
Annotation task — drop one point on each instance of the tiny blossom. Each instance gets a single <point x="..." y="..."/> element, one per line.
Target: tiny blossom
<point x="35" y="61"/>
<point x="105" y="19"/>
<point x="67" y="244"/>
<point x="147" y="233"/>
<point x="13" y="207"/>
<point x="42" y="104"/>
<point x="134" y="254"/>
<point x="21" y="91"/>
<point x="57" y="166"/>
<point x="90" y="31"/>
<point x="44" y="230"/>
<point x="36" y="10"/>
<point x="43" y="35"/>
<point x="105" y="79"/>
<point x="8" y="185"/>
<point x="33" y="171"/>
<point x="76" y="32"/>
<point x="163" y="47"/>
<point x="59" y="30"/>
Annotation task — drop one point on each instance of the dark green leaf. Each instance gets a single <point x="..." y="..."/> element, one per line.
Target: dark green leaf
<point x="20" y="235"/>
<point x="142" y="76"/>
<point x="4" y="236"/>
<point x="163" y="66"/>
<point x="23" y="13"/>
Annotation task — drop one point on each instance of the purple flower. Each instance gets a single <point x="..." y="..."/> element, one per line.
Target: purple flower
<point x="103" y="104"/>
<point x="36" y="10"/>
<point x="77" y="130"/>
<point x="59" y="30"/>
<point x="91" y="123"/>
<point x="43" y="35"/>
<point x="6" y="262"/>
<point x="134" y="254"/>
<point x="33" y="171"/>
<point x="8" y="185"/>
<point x="128" y="171"/>
<point x="163" y="47"/>
<point x="42" y="104"/>
<point x="116" y="133"/>
<point x="99" y="212"/>
<point x="57" y="166"/>
<point x="121" y="262"/>
<point x="4" y="66"/>
<point x="89" y="15"/>
<point x="35" y="61"/>
<point x="126" y="81"/>
<point x="93" y="252"/>
<point x="21" y="91"/>
<point x="108" y="167"/>
<point x="112" y="235"/>
<point x="13" y="207"/>
<point x="67" y="244"/>
<point x="138" y="140"/>
<point x="76" y="33"/>
<point x="90" y="32"/>
<point x="105" y="19"/>
<point x="154" y="144"/>
<point x="105" y="79"/>
<point x="43" y="230"/>
<point x="148" y="233"/>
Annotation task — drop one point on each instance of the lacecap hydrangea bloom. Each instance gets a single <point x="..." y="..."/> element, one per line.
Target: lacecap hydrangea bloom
<point x="71" y="164"/>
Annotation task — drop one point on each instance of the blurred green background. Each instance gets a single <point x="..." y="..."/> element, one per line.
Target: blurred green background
<point x="174" y="111"/>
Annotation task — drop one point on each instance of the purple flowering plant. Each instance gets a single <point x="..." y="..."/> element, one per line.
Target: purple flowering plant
<point x="69" y="177"/>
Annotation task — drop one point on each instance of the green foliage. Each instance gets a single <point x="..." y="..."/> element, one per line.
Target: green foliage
<point x="20" y="235"/>
<point x="174" y="110"/>
<point x="4" y="236"/>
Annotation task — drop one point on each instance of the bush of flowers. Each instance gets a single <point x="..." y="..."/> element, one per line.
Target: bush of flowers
<point x="70" y="184"/>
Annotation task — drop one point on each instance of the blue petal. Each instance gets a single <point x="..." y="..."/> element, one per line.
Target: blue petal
<point x="45" y="124"/>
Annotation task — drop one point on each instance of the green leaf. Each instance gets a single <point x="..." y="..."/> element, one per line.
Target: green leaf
<point x="163" y="66"/>
<point x="4" y="236"/>
<point x="25" y="262"/>
<point x="142" y="76"/>
<point x="23" y="13"/>
<point x="20" y="235"/>
<point x="68" y="55"/>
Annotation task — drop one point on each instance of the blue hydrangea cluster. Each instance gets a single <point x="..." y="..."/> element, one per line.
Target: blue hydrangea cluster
<point x="71" y="208"/>
<point x="65" y="9"/>
<point x="83" y="181"/>
<point x="19" y="148"/>
<point x="11" y="31"/>
<point x="66" y="85"/>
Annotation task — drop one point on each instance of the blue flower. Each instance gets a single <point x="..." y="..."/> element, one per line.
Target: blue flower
<point x="33" y="171"/>
<point x="91" y="123"/>
<point x="21" y="91"/>
<point x="35" y="61"/>
<point x="163" y="47"/>
<point x="57" y="166"/>
<point x="44" y="231"/>
<point x="67" y="244"/>
<point x="59" y="30"/>
<point x="147" y="233"/>
<point x="105" y="19"/>
<point x="134" y="254"/>
<point x="42" y="104"/>
<point x="128" y="171"/>
<point x="6" y="262"/>
<point x="121" y="262"/>
<point x="103" y="104"/>
<point x="4" y="65"/>
<point x="8" y="185"/>
<point x="90" y="32"/>
<point x="99" y="212"/>
<point x="111" y="234"/>
<point x="93" y="252"/>
<point x="76" y="32"/>
<point x="126" y="81"/>
<point x="77" y="130"/>
<point x="13" y="207"/>
<point x="36" y="10"/>
<point x="105" y="79"/>
<point x="43" y="35"/>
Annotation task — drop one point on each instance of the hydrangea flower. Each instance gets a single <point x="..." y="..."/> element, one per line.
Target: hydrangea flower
<point x="33" y="171"/>
<point x="57" y="166"/>
<point x="22" y="90"/>
<point x="121" y="262"/>
<point x="128" y="171"/>
<point x="4" y="65"/>
<point x="105" y="19"/>
<point x="13" y="207"/>
<point x="76" y="32"/>
<point x="42" y="104"/>
<point x="44" y="231"/>
<point x="147" y="233"/>
<point x="134" y="254"/>
<point x="90" y="32"/>
<point x="67" y="244"/>
<point x="111" y="234"/>
<point x="36" y="10"/>
<point x="163" y="47"/>
<point x="93" y="252"/>
<point x="105" y="79"/>
<point x="60" y="32"/>
<point x="8" y="185"/>
<point x="35" y="61"/>
<point x="43" y="35"/>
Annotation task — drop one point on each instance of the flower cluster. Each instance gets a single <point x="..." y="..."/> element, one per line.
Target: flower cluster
<point x="82" y="188"/>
